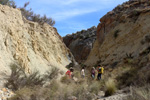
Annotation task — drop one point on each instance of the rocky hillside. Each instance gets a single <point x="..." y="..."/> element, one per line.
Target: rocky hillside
<point x="31" y="45"/>
<point x="123" y="32"/>
<point x="81" y="43"/>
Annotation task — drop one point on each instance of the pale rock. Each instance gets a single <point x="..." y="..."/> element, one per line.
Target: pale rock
<point x="33" y="46"/>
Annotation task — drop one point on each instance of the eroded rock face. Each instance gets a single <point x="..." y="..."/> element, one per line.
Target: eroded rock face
<point x="81" y="43"/>
<point x="120" y="32"/>
<point x="131" y="9"/>
<point x="31" y="45"/>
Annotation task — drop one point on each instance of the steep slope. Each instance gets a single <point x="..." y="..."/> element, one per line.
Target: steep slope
<point x="122" y="32"/>
<point x="81" y="43"/>
<point x="31" y="45"/>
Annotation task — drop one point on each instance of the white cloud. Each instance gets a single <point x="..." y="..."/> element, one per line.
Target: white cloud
<point x="71" y="13"/>
<point x="63" y="2"/>
<point x="64" y="9"/>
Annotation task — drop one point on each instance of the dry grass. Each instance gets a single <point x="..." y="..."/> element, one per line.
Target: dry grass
<point x="55" y="91"/>
<point x="31" y="93"/>
<point x="95" y="87"/>
<point x="142" y="93"/>
<point x="110" y="87"/>
<point x="66" y="80"/>
<point x="137" y="76"/>
<point x="19" y="79"/>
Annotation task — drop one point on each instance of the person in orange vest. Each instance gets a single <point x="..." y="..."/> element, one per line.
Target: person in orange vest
<point x="100" y="72"/>
<point x="69" y="72"/>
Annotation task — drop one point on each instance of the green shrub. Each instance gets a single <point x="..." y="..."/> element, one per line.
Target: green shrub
<point x="110" y="87"/>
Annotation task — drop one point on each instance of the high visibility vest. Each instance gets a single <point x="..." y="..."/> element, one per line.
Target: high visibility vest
<point x="101" y="70"/>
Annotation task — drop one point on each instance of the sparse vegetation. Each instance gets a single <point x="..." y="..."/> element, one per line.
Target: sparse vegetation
<point x="66" y="80"/>
<point x="116" y="33"/>
<point x="141" y="93"/>
<point x="95" y="87"/>
<point x="70" y="65"/>
<point x="135" y="14"/>
<point x="29" y="14"/>
<point x="129" y="55"/>
<point x="19" y="79"/>
<point x="129" y="58"/>
<point x="126" y="79"/>
<point x="10" y="3"/>
<point x="110" y="87"/>
<point x="32" y="93"/>
<point x="54" y="91"/>
<point x="146" y="51"/>
<point x="136" y="76"/>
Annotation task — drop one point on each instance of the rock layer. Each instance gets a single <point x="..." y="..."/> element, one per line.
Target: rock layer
<point x="81" y="43"/>
<point x="31" y="45"/>
<point x="120" y="33"/>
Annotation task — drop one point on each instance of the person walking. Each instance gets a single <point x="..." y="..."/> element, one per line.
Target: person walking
<point x="93" y="73"/>
<point x="100" y="72"/>
<point x="83" y="72"/>
<point x="69" y="72"/>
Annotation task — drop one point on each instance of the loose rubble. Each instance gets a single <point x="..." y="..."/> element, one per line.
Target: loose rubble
<point x="5" y="94"/>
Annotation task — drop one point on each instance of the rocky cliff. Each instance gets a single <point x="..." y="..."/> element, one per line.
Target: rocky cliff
<point x="31" y="45"/>
<point x="81" y="43"/>
<point x="122" y="32"/>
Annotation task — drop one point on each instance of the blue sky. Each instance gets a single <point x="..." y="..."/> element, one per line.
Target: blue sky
<point x="72" y="15"/>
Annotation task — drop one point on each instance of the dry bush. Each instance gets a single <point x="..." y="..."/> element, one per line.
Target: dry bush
<point x="126" y="79"/>
<point x="23" y="94"/>
<point x="29" y="14"/>
<point x="54" y="91"/>
<point x="142" y="93"/>
<point x="77" y="74"/>
<point x="110" y="87"/>
<point x="19" y="79"/>
<point x="116" y="33"/>
<point x="32" y="93"/>
<point x="51" y="92"/>
<point x="10" y="3"/>
<point x="53" y="74"/>
<point x="137" y="76"/>
<point x="66" y="80"/>
<point x="95" y="87"/>
<point x="81" y="91"/>
<point x="15" y="80"/>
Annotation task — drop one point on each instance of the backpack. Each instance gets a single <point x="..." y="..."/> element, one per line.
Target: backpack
<point x="101" y="70"/>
